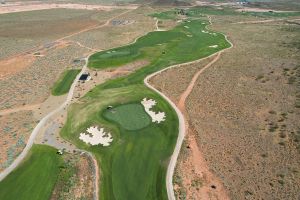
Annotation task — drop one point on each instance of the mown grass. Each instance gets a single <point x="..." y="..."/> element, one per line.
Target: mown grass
<point x="134" y="166"/>
<point x="35" y="178"/>
<point x="62" y="86"/>
<point x="129" y="116"/>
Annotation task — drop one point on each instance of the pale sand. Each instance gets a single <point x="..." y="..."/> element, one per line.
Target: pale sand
<point x="156" y="117"/>
<point x="213" y="46"/>
<point x="96" y="136"/>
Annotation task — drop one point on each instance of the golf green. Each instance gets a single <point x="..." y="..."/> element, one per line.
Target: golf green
<point x="134" y="166"/>
<point x="129" y="116"/>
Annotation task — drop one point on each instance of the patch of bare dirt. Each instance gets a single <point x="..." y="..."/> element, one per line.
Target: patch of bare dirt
<point x="193" y="179"/>
<point x="14" y="65"/>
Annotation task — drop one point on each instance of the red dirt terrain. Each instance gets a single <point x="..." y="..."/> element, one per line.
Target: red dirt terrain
<point x="243" y="116"/>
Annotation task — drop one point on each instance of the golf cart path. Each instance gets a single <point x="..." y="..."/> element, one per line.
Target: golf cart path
<point x="182" y="123"/>
<point x="43" y="121"/>
<point x="181" y="134"/>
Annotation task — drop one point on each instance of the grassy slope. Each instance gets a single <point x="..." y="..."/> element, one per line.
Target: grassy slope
<point x="34" y="178"/>
<point x="62" y="86"/>
<point x="134" y="166"/>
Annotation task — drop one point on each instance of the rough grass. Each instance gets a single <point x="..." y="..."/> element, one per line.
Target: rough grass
<point x="134" y="166"/>
<point x="62" y="86"/>
<point x="34" y="178"/>
<point x="210" y="10"/>
<point x="129" y="116"/>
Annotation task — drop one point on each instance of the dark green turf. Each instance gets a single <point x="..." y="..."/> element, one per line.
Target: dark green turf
<point x="35" y="178"/>
<point x="62" y="86"/>
<point x="129" y="116"/>
<point x="134" y="166"/>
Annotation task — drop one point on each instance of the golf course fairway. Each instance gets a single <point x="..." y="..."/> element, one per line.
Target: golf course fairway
<point x="134" y="166"/>
<point x="35" y="178"/>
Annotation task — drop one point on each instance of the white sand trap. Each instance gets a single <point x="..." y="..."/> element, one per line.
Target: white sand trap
<point x="156" y="117"/>
<point x="189" y="35"/>
<point x="213" y="46"/>
<point x="186" y="27"/>
<point x="98" y="136"/>
<point x="204" y="31"/>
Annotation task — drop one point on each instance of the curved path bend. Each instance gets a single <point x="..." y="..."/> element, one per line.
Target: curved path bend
<point x="182" y="123"/>
<point x="43" y="121"/>
<point x="182" y="126"/>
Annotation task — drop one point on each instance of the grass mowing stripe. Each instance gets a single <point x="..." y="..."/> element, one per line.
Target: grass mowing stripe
<point x="62" y="86"/>
<point x="35" y="178"/>
<point x="134" y="166"/>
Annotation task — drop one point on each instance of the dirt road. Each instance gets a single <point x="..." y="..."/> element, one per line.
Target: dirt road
<point x="182" y="123"/>
<point x="22" y="108"/>
<point x="44" y="120"/>
<point x="185" y="94"/>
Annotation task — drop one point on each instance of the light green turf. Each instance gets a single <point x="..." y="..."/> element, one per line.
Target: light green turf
<point x="35" y="178"/>
<point x="129" y="116"/>
<point x="62" y="86"/>
<point x="134" y="166"/>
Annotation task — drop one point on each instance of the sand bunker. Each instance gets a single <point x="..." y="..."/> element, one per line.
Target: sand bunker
<point x="213" y="46"/>
<point x="96" y="136"/>
<point x="156" y="117"/>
